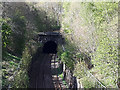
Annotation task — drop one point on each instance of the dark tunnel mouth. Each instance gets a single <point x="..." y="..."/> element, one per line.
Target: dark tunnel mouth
<point x="50" y="47"/>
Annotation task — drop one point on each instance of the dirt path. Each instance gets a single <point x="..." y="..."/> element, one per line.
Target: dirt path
<point x="40" y="72"/>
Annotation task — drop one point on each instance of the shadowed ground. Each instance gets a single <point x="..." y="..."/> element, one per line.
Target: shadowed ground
<point x="40" y="72"/>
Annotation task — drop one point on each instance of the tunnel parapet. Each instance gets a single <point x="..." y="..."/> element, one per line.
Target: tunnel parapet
<point x="44" y="37"/>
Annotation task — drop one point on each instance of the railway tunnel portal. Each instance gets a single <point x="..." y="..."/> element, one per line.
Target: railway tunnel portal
<point x="40" y="71"/>
<point x="50" y="47"/>
<point x="50" y="41"/>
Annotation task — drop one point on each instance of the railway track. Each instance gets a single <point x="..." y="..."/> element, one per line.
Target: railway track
<point x="57" y="84"/>
<point x="40" y="72"/>
<point x="41" y="75"/>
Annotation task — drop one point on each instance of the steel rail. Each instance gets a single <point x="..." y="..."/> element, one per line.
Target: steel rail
<point x="58" y="85"/>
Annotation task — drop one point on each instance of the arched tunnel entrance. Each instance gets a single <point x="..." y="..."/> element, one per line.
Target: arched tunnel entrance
<point x="50" y="47"/>
<point x="44" y="66"/>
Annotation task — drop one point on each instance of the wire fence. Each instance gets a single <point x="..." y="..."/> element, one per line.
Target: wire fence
<point x="97" y="83"/>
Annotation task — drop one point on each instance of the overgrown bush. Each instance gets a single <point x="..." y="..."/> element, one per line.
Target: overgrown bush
<point x="93" y="29"/>
<point x="80" y="70"/>
<point x="66" y="57"/>
<point x="19" y="34"/>
<point x="25" y="24"/>
<point x="87" y="82"/>
<point x="6" y="31"/>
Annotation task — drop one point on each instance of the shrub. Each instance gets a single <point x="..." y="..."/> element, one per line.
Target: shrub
<point x="66" y="57"/>
<point x="87" y="82"/>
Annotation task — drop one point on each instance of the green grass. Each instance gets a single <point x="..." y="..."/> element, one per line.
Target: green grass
<point x="10" y="63"/>
<point x="10" y="56"/>
<point x="61" y="75"/>
<point x="64" y="82"/>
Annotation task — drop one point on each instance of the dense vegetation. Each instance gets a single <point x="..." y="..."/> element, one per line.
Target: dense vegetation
<point x="21" y="23"/>
<point x="91" y="40"/>
<point x="92" y="28"/>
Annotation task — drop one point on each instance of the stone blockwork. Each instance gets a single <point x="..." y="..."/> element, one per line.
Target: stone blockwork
<point x="50" y="36"/>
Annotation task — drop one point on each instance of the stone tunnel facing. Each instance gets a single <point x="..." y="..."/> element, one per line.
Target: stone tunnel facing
<point x="50" y="47"/>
